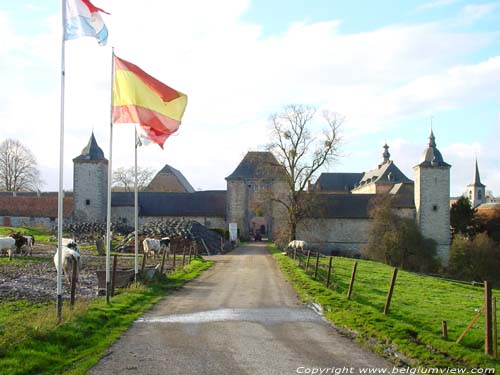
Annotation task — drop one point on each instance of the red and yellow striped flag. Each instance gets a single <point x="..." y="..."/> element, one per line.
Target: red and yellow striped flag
<point x="142" y="99"/>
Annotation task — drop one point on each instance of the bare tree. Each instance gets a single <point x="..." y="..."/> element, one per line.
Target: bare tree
<point x="302" y="152"/>
<point x="123" y="178"/>
<point x="18" y="167"/>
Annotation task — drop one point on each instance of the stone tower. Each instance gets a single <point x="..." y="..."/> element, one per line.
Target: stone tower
<point x="249" y="188"/>
<point x="90" y="182"/>
<point x="476" y="192"/>
<point x="432" y="198"/>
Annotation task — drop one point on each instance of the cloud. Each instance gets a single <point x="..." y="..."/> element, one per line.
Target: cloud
<point x="436" y="4"/>
<point x="235" y="77"/>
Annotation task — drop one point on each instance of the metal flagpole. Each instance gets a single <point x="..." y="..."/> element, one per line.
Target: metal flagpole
<point x="110" y="177"/>
<point x="136" y="210"/>
<point x="61" y="174"/>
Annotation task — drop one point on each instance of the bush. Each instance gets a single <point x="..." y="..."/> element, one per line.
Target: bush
<point x="397" y="241"/>
<point x="476" y="259"/>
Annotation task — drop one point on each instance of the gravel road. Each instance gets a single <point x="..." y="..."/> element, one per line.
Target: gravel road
<point x="239" y="317"/>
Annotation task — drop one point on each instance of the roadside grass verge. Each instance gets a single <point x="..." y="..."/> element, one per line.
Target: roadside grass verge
<point x="32" y="342"/>
<point x="411" y="333"/>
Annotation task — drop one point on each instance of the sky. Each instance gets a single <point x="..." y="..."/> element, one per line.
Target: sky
<point x="390" y="68"/>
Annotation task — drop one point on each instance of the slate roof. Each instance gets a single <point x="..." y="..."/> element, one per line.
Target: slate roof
<point x="477" y="179"/>
<point x="200" y="203"/>
<point x="92" y="151"/>
<point x="432" y="156"/>
<point x="387" y="172"/>
<point x="336" y="182"/>
<point x="33" y="206"/>
<point x="258" y="165"/>
<point x="168" y="170"/>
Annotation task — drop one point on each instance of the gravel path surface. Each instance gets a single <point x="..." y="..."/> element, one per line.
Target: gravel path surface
<point x="239" y="317"/>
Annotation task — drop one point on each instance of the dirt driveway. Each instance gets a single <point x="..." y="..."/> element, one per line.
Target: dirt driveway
<point x="239" y="317"/>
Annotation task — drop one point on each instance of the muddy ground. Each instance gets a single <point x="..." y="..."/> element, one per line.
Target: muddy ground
<point x="35" y="278"/>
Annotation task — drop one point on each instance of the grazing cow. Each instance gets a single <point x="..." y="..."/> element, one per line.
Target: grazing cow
<point x="70" y="255"/>
<point x="7" y="244"/>
<point x="152" y="246"/>
<point x="297" y="245"/>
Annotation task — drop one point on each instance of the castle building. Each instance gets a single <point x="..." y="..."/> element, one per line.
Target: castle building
<point x="338" y="215"/>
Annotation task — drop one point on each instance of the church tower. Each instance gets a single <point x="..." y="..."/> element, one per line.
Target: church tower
<point x="90" y="181"/>
<point x="432" y="198"/>
<point x="476" y="192"/>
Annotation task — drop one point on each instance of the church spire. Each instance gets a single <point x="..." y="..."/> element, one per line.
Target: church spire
<point x="477" y="178"/>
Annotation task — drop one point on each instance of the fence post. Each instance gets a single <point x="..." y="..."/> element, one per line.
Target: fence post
<point x="144" y="256"/>
<point x="495" y="328"/>
<point x="391" y="289"/>
<point x="190" y="252"/>
<point x="73" y="283"/>
<point x="444" y="329"/>
<point x="487" y="319"/>
<point x="351" y="283"/>
<point x="173" y="256"/>
<point x="308" y="257"/>
<point x="476" y="317"/>
<point x="329" y="272"/>
<point x="183" y="255"/>
<point x="165" y="250"/>
<point x="113" y="275"/>
<point x="316" y="266"/>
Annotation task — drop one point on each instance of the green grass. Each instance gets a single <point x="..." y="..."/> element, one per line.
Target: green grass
<point x="32" y="342"/>
<point x="40" y="234"/>
<point x="419" y="305"/>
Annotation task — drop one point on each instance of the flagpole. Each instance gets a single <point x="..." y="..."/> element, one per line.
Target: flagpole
<point x="110" y="177"/>
<point x="136" y="211"/>
<point x="61" y="170"/>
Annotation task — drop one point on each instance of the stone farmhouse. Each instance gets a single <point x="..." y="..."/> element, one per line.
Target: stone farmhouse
<point x="341" y="222"/>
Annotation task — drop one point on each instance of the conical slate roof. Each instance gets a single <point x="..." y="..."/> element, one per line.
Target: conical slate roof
<point x="92" y="151"/>
<point x="477" y="179"/>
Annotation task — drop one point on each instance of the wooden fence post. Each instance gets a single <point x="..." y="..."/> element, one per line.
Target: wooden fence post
<point x="351" y="283"/>
<point x="144" y="256"/>
<point x="73" y="283"/>
<point x="444" y="330"/>
<point x="316" y="266"/>
<point x="113" y="275"/>
<point x="308" y="257"/>
<point x="173" y="256"/>
<point x="488" y="349"/>
<point x="329" y="272"/>
<point x="183" y="255"/>
<point x="495" y="328"/>
<point x="190" y="252"/>
<point x="165" y="251"/>
<point x="391" y="289"/>
<point x="476" y="317"/>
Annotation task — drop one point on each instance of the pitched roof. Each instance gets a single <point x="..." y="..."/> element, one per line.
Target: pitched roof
<point x="92" y="151"/>
<point x="200" y="203"/>
<point x="169" y="179"/>
<point x="386" y="172"/>
<point x="33" y="206"/>
<point x="477" y="179"/>
<point x="258" y="165"/>
<point x="336" y="182"/>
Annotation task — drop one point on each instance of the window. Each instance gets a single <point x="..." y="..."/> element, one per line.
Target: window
<point x="479" y="194"/>
<point x="434" y="207"/>
<point x="87" y="202"/>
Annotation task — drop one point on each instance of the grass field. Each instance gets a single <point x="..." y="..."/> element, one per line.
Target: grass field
<point x="32" y="342"/>
<point x="413" y="326"/>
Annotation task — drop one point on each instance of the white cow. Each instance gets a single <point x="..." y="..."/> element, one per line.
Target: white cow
<point x="70" y="255"/>
<point x="152" y="246"/>
<point x="297" y="245"/>
<point x="7" y="244"/>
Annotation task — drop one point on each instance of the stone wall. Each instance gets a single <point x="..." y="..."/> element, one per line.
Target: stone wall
<point x="339" y="234"/>
<point x="90" y="181"/>
<point x="237" y="205"/>
<point x="32" y="221"/>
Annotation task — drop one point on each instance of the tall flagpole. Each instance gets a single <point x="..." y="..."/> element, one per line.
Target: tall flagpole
<point x="61" y="174"/>
<point x="136" y="211"/>
<point x="110" y="176"/>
